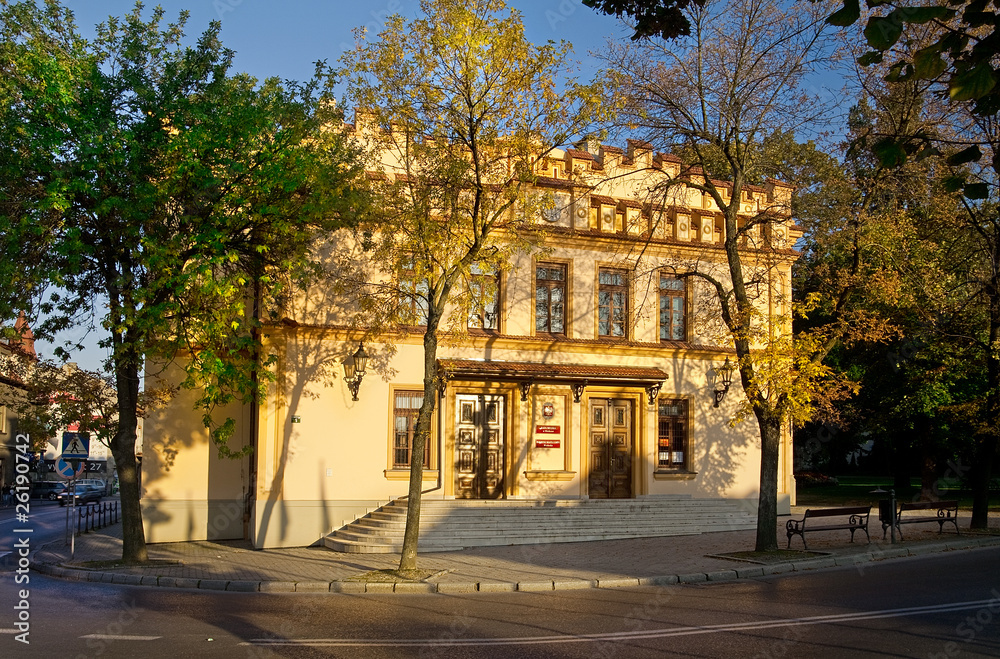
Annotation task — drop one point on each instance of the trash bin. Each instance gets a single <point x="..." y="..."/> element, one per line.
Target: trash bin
<point x="886" y="511"/>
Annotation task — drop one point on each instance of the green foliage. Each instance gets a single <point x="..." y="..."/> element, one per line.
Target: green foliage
<point x="55" y="396"/>
<point x="153" y="193"/>
<point x="457" y="109"/>
<point x="954" y="44"/>
<point x="172" y="188"/>
<point x="651" y="18"/>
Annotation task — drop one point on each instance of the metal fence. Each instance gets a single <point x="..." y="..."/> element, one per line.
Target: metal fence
<point x="96" y="516"/>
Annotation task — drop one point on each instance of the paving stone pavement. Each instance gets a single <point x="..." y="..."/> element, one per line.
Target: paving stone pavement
<point x="236" y="566"/>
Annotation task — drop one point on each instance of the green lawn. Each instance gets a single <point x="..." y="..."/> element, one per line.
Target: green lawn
<point x="858" y="491"/>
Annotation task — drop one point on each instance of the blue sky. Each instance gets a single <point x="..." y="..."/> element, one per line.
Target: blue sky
<point x="285" y="39"/>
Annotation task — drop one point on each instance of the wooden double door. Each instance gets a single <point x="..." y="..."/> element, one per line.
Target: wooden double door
<point x="479" y="446"/>
<point x="610" y="445"/>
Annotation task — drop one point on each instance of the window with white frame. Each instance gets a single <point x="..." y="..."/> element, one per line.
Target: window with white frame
<point x="550" y="298"/>
<point x="484" y="312"/>
<point x="612" y="303"/>
<point x="406" y="409"/>
<point x="673" y="308"/>
<point x="413" y="293"/>
<point x="672" y="439"/>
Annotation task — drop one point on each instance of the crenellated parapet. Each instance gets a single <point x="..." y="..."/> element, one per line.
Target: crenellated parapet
<point x="632" y="191"/>
<point x="635" y="191"/>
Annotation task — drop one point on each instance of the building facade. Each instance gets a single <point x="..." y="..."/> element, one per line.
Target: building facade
<point x="590" y="373"/>
<point x="13" y="393"/>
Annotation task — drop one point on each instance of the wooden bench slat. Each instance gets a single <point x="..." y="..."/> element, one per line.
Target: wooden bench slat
<point x="927" y="505"/>
<point x="830" y="512"/>
<point x="947" y="513"/>
<point x="858" y="521"/>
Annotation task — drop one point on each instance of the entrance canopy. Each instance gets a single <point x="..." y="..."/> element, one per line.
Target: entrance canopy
<point x="577" y="376"/>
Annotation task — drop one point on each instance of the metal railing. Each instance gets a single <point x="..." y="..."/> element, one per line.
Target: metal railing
<point x="96" y="516"/>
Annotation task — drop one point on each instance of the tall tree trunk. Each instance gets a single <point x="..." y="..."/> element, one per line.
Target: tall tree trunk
<point x="986" y="444"/>
<point x="127" y="362"/>
<point x="411" y="534"/>
<point x="767" y="505"/>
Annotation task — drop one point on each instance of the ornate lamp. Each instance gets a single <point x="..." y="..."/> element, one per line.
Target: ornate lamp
<point x="354" y="370"/>
<point x="723" y="380"/>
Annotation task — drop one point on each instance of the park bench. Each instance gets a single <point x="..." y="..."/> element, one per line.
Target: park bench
<point x="944" y="512"/>
<point x="852" y="518"/>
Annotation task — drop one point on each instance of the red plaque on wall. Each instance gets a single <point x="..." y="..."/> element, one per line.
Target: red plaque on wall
<point x="547" y="430"/>
<point x="546" y="442"/>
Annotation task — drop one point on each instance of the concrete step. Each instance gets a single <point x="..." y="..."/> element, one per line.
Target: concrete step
<point x="370" y="526"/>
<point x="510" y="538"/>
<point x="450" y="525"/>
<point x="455" y="544"/>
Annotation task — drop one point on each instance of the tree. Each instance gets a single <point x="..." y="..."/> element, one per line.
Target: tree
<point x="152" y="192"/>
<point x="461" y="108"/>
<point x="949" y="52"/>
<point x="660" y="18"/>
<point x="56" y="396"/>
<point x="714" y="99"/>
<point x="961" y="54"/>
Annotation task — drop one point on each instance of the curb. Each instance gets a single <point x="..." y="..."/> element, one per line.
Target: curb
<point x="454" y="587"/>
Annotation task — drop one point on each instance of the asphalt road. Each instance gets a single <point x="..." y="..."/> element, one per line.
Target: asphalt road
<point x="46" y="519"/>
<point x="946" y="605"/>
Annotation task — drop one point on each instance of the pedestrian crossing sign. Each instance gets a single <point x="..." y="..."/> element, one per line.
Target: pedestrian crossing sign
<point x="76" y="445"/>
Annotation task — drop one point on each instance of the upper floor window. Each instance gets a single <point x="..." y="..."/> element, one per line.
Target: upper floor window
<point x="413" y="295"/>
<point x="612" y="303"/>
<point x="673" y="308"/>
<point x="484" y="312"/>
<point x="550" y="298"/>
<point x="672" y="449"/>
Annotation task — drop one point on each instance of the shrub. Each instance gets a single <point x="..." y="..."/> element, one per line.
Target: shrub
<point x="814" y="479"/>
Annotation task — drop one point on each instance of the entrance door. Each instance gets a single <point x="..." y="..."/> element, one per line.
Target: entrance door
<point x="479" y="446"/>
<point x="610" y="449"/>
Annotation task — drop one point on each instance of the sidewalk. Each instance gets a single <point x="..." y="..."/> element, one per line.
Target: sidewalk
<point x="236" y="566"/>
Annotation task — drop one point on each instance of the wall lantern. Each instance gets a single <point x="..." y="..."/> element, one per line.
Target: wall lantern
<point x="723" y="380"/>
<point x="652" y="391"/>
<point x="354" y="370"/>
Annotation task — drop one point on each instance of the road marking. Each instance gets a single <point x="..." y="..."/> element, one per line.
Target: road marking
<point x="620" y="636"/>
<point x="121" y="637"/>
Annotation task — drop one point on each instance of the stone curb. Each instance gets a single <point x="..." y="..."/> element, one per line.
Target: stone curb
<point x="566" y="583"/>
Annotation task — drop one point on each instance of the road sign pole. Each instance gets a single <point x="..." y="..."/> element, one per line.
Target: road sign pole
<point x="72" y="516"/>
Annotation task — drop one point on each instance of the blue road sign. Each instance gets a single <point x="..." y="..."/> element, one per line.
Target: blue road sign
<point x="65" y="469"/>
<point x="76" y="445"/>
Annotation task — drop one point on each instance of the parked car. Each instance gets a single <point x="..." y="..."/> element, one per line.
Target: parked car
<point x="96" y="482"/>
<point x="85" y="493"/>
<point x="47" y="489"/>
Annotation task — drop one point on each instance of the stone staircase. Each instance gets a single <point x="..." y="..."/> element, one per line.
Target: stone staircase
<point x="448" y="525"/>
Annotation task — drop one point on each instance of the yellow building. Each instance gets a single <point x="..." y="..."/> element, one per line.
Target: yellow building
<point x="592" y="374"/>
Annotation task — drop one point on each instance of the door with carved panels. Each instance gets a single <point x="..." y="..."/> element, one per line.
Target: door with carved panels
<point x="610" y="449"/>
<point x="479" y="447"/>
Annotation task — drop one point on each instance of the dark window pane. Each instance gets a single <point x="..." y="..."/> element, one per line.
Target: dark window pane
<point x="549" y="291"/>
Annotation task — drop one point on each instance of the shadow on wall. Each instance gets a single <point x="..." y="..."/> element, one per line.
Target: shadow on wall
<point x="189" y="492"/>
<point x="310" y="365"/>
